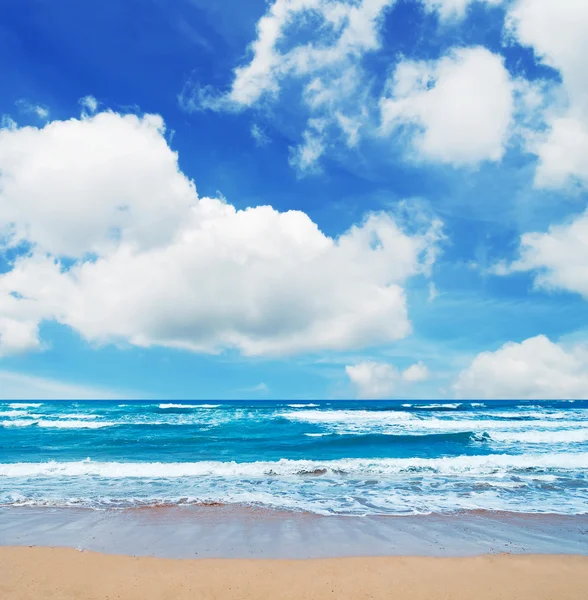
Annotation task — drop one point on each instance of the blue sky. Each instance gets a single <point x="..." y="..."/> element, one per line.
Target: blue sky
<point x="434" y="153"/>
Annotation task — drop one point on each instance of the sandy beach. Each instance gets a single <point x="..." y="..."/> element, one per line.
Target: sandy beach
<point x="67" y="574"/>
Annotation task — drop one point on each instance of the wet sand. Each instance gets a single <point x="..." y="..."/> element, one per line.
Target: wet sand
<point x="66" y="574"/>
<point x="241" y="532"/>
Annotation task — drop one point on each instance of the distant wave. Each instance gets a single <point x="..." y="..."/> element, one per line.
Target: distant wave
<point x="13" y="413"/>
<point x="566" y="436"/>
<point x="492" y="464"/>
<point x="80" y="416"/>
<point x="388" y="439"/>
<point x="46" y="423"/>
<point x="302" y="405"/>
<point x="345" y="416"/>
<point x="24" y="405"/>
<point x="187" y="406"/>
<point x="438" y="406"/>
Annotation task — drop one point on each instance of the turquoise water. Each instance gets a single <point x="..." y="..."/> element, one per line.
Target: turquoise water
<point x="352" y="458"/>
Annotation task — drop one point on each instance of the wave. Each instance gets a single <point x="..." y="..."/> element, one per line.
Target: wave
<point x="438" y="406"/>
<point x="388" y="439"/>
<point x="302" y="405"/>
<point x="48" y="424"/>
<point x="25" y="405"/>
<point x="82" y="417"/>
<point x="402" y="422"/>
<point x="13" y="413"/>
<point x="187" y="406"/>
<point x="541" y="437"/>
<point x="347" y="416"/>
<point x="493" y="464"/>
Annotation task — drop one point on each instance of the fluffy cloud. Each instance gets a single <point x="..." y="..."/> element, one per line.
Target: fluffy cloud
<point x="558" y="34"/>
<point x="151" y="263"/>
<point x="18" y="335"/>
<point x="535" y="369"/>
<point x="379" y="380"/>
<point x="459" y="107"/>
<point x="559" y="257"/>
<point x="84" y="185"/>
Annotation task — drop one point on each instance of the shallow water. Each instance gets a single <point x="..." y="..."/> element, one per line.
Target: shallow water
<point x="349" y="458"/>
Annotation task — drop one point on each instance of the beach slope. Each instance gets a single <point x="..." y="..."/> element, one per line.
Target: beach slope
<point x="67" y="574"/>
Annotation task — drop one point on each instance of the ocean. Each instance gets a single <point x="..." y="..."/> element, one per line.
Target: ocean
<point x="328" y="458"/>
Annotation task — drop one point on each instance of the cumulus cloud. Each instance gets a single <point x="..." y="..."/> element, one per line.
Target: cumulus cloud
<point x="374" y="380"/>
<point x="83" y="185"/>
<point x="18" y="335"/>
<point x="558" y="257"/>
<point x="558" y="34"/>
<point x="458" y="109"/>
<point x="122" y="249"/>
<point x="534" y="369"/>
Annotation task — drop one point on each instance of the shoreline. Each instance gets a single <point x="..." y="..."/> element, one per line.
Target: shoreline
<point x="32" y="573"/>
<point x="240" y="532"/>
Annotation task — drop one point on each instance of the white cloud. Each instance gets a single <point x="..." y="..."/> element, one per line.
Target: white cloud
<point x="35" y="109"/>
<point x="89" y="104"/>
<point x="154" y="264"/>
<point x="559" y="257"/>
<point x="374" y="380"/>
<point x="259" y="136"/>
<point x="460" y="107"/>
<point x="17" y="336"/>
<point x="558" y="34"/>
<point x="416" y="373"/>
<point x="454" y="9"/>
<point x="563" y="152"/>
<point x="317" y="45"/>
<point x="84" y="185"/>
<point x="349" y="29"/>
<point x="18" y="386"/>
<point x="534" y="369"/>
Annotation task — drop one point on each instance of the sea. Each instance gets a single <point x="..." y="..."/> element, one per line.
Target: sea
<point x="325" y="457"/>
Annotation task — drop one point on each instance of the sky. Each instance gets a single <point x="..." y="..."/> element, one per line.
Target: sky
<point x="294" y="199"/>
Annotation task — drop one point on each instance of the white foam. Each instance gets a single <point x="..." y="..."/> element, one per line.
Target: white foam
<point x="77" y="416"/>
<point x="74" y="424"/>
<point x="541" y="437"/>
<point x="494" y="464"/>
<point x="18" y="423"/>
<point x="302" y="405"/>
<point x="13" y="413"/>
<point x="450" y="406"/>
<point x="348" y="416"/>
<point x="24" y="405"/>
<point x="46" y="423"/>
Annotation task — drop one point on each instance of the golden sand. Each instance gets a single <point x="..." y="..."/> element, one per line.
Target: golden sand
<point x="66" y="574"/>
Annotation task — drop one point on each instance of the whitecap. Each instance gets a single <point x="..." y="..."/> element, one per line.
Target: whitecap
<point x="13" y="413"/>
<point x="496" y="465"/>
<point x="186" y="406"/>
